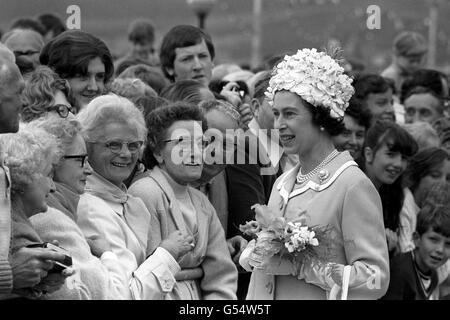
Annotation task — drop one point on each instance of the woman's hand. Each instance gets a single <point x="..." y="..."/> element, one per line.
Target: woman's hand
<point x="178" y="244"/>
<point x="98" y="245"/>
<point x="392" y="239"/>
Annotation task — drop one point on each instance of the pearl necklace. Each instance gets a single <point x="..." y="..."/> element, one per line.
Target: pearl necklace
<point x="303" y="178"/>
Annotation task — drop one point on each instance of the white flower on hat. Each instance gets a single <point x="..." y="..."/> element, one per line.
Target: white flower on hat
<point x="316" y="78"/>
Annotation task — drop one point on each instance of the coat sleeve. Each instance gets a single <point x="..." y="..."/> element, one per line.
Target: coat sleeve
<point x="364" y="243"/>
<point x="220" y="274"/>
<point x="148" y="281"/>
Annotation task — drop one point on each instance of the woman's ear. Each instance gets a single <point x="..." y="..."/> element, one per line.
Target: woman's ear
<point x="368" y="154"/>
<point x="255" y="106"/>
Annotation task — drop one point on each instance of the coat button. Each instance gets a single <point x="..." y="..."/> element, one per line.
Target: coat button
<point x="269" y="287"/>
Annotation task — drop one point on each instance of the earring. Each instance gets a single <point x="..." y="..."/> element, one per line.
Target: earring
<point x="322" y="128"/>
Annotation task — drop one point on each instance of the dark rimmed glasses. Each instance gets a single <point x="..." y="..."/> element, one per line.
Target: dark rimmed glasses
<point x="62" y="109"/>
<point x="78" y="157"/>
<point x="117" y="146"/>
<point x="186" y="143"/>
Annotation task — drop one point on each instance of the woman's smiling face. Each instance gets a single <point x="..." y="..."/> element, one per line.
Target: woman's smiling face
<point x="114" y="167"/>
<point x="298" y="134"/>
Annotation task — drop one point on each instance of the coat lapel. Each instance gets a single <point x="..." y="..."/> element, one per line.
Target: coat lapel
<point x="174" y="209"/>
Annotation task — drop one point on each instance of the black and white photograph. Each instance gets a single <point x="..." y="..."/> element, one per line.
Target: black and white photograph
<point x="216" y="158"/>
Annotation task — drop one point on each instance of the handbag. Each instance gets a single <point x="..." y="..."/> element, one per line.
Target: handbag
<point x="333" y="295"/>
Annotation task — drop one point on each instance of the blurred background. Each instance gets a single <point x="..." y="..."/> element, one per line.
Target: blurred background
<point x="248" y="31"/>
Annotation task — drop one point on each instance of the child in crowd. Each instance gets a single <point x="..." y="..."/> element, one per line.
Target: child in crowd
<point x="413" y="273"/>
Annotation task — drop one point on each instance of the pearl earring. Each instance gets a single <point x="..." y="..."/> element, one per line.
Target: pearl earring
<point x="322" y="128"/>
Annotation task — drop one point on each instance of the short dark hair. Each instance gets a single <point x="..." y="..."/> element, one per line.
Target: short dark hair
<point x="160" y="119"/>
<point x="428" y="78"/>
<point x="436" y="217"/>
<point x="150" y="75"/>
<point x="359" y="112"/>
<point x="28" y="23"/>
<point x="366" y="84"/>
<point x="424" y="90"/>
<point x="141" y="31"/>
<point x="124" y="64"/>
<point x="421" y="163"/>
<point x="321" y="117"/>
<point x="183" y="90"/>
<point x="179" y="37"/>
<point x="52" y="22"/>
<point x="70" y="52"/>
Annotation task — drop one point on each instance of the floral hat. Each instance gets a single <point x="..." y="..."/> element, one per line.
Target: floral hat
<point x="316" y="78"/>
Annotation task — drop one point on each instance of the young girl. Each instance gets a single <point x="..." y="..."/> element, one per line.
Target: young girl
<point x="385" y="155"/>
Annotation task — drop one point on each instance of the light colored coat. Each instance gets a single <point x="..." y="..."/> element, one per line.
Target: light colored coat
<point x="150" y="274"/>
<point x="210" y="253"/>
<point x="348" y="202"/>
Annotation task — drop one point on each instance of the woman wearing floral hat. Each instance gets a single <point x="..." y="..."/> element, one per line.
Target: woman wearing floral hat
<point x="309" y="94"/>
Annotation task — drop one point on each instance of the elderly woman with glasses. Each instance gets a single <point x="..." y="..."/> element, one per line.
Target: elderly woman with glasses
<point x="114" y="131"/>
<point x="98" y="276"/>
<point x="174" y="157"/>
<point x="45" y="92"/>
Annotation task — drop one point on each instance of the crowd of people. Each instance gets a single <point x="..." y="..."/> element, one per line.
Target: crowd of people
<point x="128" y="178"/>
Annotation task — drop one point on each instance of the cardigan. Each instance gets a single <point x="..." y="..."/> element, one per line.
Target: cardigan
<point x="346" y="201"/>
<point x="211" y="253"/>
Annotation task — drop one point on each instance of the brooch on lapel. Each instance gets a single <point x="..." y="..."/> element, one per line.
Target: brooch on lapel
<point x="323" y="175"/>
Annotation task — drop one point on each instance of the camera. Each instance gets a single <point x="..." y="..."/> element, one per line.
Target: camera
<point x="58" y="266"/>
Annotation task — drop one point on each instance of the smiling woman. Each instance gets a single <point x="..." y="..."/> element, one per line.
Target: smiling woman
<point x="309" y="95"/>
<point x="82" y="59"/>
<point x="174" y="154"/>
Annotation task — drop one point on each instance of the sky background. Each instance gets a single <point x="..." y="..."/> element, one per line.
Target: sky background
<point x="286" y="24"/>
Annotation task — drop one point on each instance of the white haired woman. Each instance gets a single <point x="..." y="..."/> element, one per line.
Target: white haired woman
<point x="114" y="131"/>
<point x="30" y="155"/>
<point x="309" y="94"/>
<point x="96" y="278"/>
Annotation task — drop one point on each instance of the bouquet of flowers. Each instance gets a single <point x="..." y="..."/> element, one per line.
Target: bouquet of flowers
<point x="295" y="240"/>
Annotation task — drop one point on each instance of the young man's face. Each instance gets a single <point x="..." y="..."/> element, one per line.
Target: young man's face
<point x="193" y="62"/>
<point x="422" y="107"/>
<point x="432" y="250"/>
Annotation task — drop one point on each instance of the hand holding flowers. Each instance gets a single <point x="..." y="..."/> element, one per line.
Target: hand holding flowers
<point x="276" y="239"/>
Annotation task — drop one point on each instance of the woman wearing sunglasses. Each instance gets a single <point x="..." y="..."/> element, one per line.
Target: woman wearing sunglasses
<point x="45" y="92"/>
<point x="114" y="131"/>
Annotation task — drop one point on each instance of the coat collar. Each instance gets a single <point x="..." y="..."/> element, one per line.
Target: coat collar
<point x="318" y="183"/>
<point x="158" y="176"/>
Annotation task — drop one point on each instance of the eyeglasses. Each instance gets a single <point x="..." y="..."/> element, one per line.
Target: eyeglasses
<point x="61" y="109"/>
<point x="117" y="146"/>
<point x="25" y="53"/>
<point x="79" y="157"/>
<point x="186" y="143"/>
